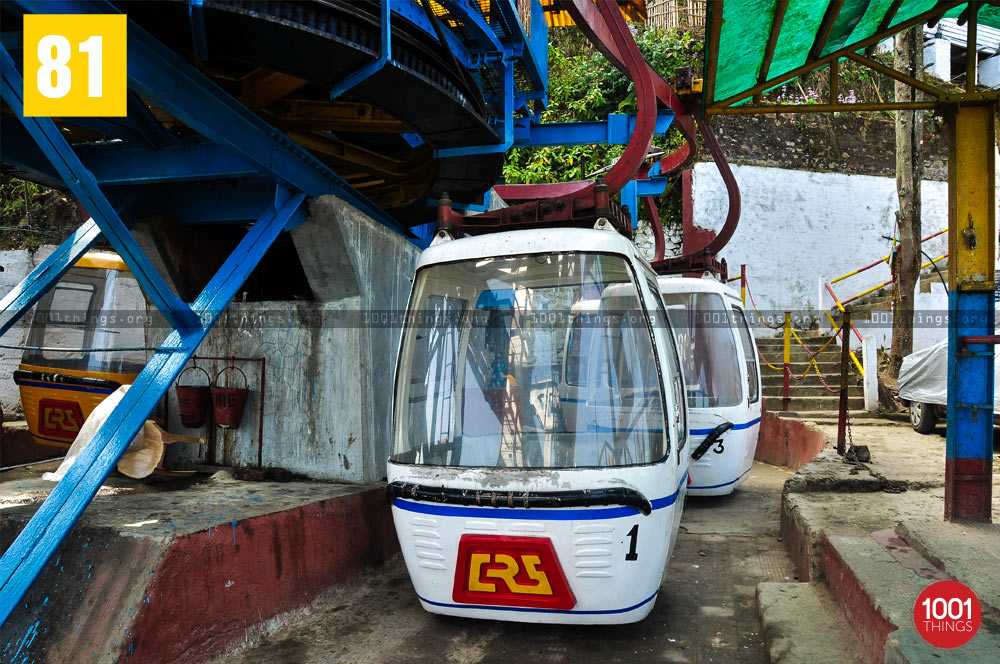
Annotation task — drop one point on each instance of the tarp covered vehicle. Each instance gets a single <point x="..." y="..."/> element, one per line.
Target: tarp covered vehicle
<point x="923" y="386"/>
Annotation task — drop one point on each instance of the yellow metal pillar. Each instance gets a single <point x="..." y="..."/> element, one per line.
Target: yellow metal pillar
<point x="785" y="396"/>
<point x="971" y="265"/>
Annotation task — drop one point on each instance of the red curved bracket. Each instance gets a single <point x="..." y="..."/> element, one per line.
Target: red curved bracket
<point x="636" y="69"/>
<point x="575" y="202"/>
<point x="588" y="18"/>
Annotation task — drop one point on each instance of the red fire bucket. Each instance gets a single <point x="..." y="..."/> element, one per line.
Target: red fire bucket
<point x="192" y="400"/>
<point x="228" y="402"/>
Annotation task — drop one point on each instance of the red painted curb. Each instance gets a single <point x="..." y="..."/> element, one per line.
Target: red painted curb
<point x="211" y="586"/>
<point x="796" y="541"/>
<point x="870" y="626"/>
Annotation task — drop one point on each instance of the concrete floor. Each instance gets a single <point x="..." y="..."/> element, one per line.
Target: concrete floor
<point x="705" y="613"/>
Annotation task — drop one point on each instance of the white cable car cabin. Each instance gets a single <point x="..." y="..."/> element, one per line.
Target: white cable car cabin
<point x="516" y="496"/>
<point x="723" y="381"/>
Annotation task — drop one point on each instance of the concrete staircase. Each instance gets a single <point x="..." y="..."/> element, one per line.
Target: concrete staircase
<point x="808" y="396"/>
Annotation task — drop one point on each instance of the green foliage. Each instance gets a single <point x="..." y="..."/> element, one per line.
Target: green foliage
<point x="31" y="215"/>
<point x="584" y="86"/>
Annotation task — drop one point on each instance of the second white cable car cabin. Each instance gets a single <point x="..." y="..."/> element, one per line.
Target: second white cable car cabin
<point x="723" y="381"/>
<point x="539" y="464"/>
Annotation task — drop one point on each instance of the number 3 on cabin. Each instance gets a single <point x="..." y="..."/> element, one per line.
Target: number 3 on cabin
<point x="74" y="65"/>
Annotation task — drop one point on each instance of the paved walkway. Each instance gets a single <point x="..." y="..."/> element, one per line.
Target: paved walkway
<point x="705" y="613"/>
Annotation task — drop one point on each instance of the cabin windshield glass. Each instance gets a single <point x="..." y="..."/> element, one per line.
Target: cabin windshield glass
<point x="705" y="340"/>
<point x="90" y="308"/>
<point x="540" y="361"/>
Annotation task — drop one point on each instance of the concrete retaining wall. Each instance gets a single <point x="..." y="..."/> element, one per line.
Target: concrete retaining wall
<point x="798" y="226"/>
<point x="786" y="442"/>
<point x="329" y="363"/>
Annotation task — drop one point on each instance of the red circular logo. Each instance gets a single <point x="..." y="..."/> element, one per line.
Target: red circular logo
<point x="947" y="614"/>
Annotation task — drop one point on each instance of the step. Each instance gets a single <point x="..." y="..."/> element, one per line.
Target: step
<point x="813" y="345"/>
<point x="772" y="378"/>
<point x="776" y="356"/>
<point x="968" y="552"/>
<point x="797" y="389"/>
<point x="871" y="418"/>
<point x="803" y="624"/>
<point x="874" y="588"/>
<point x="828" y="403"/>
<point x="799" y="365"/>
<point x="179" y="571"/>
<point x="905" y="646"/>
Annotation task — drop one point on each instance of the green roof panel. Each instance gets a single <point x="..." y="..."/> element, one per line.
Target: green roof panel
<point x="743" y="38"/>
<point x="911" y="8"/>
<point x="798" y="32"/>
<point x="746" y="26"/>
<point x="850" y="15"/>
<point x="870" y="21"/>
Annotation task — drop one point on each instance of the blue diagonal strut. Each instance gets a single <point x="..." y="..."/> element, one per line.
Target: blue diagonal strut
<point x="21" y="298"/>
<point x="83" y="185"/>
<point x="168" y="82"/>
<point x="40" y="538"/>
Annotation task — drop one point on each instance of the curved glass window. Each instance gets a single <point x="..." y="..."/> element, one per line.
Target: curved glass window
<point x="90" y="308"/>
<point x="707" y="347"/>
<point x="541" y="361"/>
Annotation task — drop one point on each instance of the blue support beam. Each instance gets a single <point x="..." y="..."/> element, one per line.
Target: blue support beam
<point x="506" y="122"/>
<point x="469" y="15"/>
<point x="196" y="17"/>
<point x="42" y="536"/>
<point x="116" y="165"/>
<point x="616" y="130"/>
<point x="24" y="296"/>
<point x="51" y="141"/>
<point x="152" y="132"/>
<point x="385" y="55"/>
<point x="170" y="83"/>
<point x="536" y="55"/>
<point x="413" y="12"/>
<point x="636" y="189"/>
<point x="970" y="389"/>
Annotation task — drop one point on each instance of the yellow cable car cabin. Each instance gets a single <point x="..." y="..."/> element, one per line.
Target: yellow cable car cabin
<point x="85" y="340"/>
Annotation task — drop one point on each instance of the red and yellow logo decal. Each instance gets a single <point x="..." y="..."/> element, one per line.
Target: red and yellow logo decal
<point x="510" y="571"/>
<point x="59" y="419"/>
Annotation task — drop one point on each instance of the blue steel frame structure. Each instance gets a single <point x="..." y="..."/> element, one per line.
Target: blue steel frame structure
<point x="113" y="182"/>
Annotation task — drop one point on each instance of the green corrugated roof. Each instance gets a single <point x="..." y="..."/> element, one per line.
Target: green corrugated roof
<point x="746" y="26"/>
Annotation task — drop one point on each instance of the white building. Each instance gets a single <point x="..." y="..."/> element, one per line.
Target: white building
<point x="945" y="47"/>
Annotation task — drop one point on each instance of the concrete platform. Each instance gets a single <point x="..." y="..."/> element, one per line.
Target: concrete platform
<point x="967" y="552"/>
<point x="904" y="646"/>
<point x="789" y="609"/>
<point x="874" y="535"/>
<point x="180" y="570"/>
<point x="18" y="447"/>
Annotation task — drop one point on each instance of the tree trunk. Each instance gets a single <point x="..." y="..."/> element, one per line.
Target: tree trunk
<point x="908" y="56"/>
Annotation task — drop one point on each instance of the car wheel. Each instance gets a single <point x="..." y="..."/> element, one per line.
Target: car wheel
<point x="922" y="417"/>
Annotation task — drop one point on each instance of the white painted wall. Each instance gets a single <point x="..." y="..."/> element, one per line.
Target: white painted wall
<point x="17" y="264"/>
<point x="798" y="226"/>
<point x="989" y="72"/>
<point x="937" y="58"/>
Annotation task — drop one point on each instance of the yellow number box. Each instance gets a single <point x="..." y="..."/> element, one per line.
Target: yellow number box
<point x="75" y="65"/>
